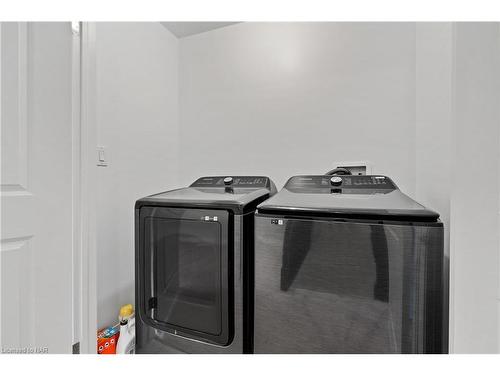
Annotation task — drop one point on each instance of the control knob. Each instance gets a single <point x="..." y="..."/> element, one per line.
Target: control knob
<point x="228" y="181"/>
<point x="336" y="181"/>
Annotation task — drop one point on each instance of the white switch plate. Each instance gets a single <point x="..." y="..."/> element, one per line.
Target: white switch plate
<point x="356" y="167"/>
<point x="102" y="157"/>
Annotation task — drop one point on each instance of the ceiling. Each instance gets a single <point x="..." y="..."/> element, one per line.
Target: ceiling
<point x="182" y="29"/>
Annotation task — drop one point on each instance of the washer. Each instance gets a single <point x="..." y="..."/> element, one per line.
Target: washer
<point x="194" y="266"/>
<point x="348" y="264"/>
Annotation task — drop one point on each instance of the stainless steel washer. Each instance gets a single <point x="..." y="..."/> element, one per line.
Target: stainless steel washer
<point x="348" y="264"/>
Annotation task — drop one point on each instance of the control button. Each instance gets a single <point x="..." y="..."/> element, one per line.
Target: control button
<point x="336" y="181"/>
<point x="228" y="181"/>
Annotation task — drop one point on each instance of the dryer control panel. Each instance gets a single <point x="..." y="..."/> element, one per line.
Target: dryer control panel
<point x="234" y="181"/>
<point x="347" y="184"/>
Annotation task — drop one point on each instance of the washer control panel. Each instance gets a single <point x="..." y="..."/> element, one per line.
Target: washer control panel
<point x="340" y="184"/>
<point x="234" y="181"/>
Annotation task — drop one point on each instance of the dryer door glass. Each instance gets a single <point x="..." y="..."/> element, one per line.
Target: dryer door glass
<point x="186" y="272"/>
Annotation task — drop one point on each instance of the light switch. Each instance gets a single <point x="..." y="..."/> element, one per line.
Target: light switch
<point x="102" y="160"/>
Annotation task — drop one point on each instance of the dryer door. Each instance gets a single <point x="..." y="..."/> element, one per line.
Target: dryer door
<point x="184" y="272"/>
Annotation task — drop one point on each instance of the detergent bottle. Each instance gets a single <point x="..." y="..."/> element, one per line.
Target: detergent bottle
<point x="126" y="341"/>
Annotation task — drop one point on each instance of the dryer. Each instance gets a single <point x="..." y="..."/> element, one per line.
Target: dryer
<point x="348" y="264"/>
<point x="194" y="266"/>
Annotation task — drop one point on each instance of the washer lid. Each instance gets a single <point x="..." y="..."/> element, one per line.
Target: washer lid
<point x="236" y="193"/>
<point x="369" y="197"/>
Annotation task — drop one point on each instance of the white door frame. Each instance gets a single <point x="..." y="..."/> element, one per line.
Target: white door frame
<point x="85" y="233"/>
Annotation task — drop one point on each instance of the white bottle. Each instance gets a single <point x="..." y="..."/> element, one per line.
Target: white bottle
<point x="126" y="341"/>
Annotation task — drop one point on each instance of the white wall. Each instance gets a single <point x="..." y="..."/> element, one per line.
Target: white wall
<point x="137" y="114"/>
<point x="281" y="99"/>
<point x="475" y="197"/>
